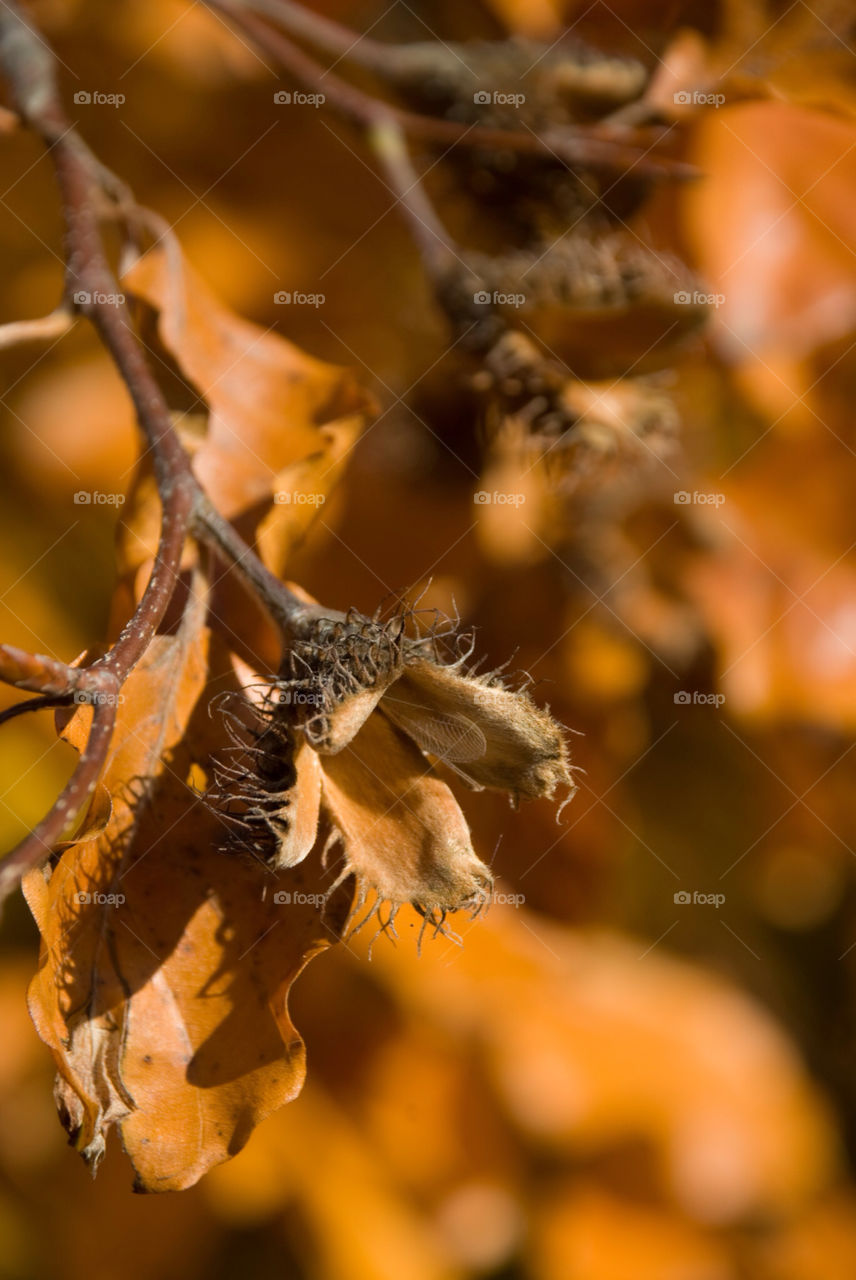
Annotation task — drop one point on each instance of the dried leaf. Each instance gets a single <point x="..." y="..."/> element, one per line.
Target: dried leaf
<point x="300" y="490"/>
<point x="404" y="834"/>
<point x="268" y="401"/>
<point x="773" y="246"/>
<point x="166" y="964"/>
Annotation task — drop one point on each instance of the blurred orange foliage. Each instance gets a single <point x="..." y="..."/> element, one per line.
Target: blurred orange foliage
<point x="613" y="1077"/>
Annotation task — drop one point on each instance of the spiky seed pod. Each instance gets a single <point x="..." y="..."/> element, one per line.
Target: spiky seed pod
<point x="336" y="748"/>
<point x="267" y="785"/>
<point x="335" y="674"/>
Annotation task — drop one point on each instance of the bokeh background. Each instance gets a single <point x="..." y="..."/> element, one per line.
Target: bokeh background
<point x="604" y="1081"/>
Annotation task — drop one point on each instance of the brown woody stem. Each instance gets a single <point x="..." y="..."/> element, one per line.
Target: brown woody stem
<point x="326" y="34"/>
<point x="284" y="607"/>
<point x="60" y="821"/>
<point x="28" y="66"/>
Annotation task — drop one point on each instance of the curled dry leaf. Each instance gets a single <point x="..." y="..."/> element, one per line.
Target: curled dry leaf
<point x="166" y="963"/>
<point x="280" y="422"/>
<point x="167" y="959"/>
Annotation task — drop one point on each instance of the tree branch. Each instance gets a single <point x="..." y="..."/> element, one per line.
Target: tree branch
<point x="593" y="146"/>
<point x="91" y="289"/>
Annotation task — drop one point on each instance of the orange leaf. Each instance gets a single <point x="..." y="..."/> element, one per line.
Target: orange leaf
<point x="166" y="963"/>
<point x="267" y="400"/>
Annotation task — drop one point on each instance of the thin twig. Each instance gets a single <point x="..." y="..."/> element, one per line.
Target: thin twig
<point x="36" y="671"/>
<point x="29" y="69"/>
<point x="50" y="326"/>
<point x="285" y="609"/>
<point x="328" y="35"/>
<point x="577" y="145"/>
<point x="42" y="703"/>
<point x="62" y="818"/>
